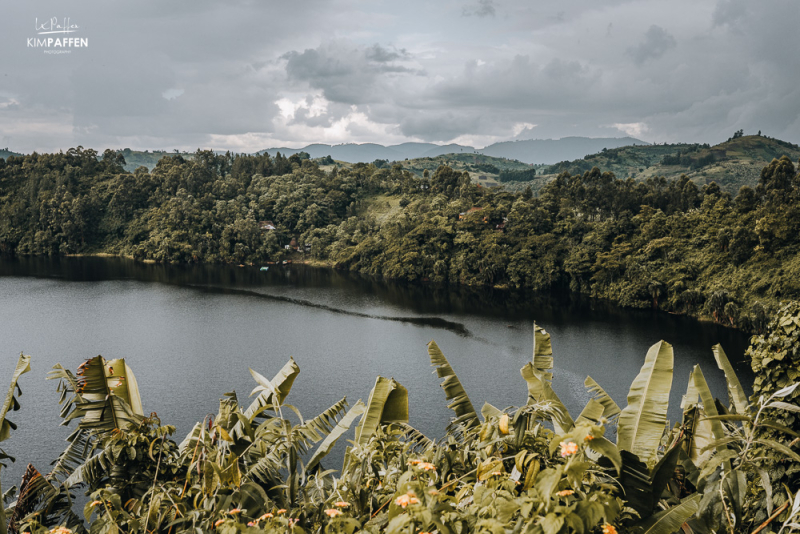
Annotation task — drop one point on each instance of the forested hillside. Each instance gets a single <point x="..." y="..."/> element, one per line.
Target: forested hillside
<point x="659" y="243"/>
<point x="732" y="164"/>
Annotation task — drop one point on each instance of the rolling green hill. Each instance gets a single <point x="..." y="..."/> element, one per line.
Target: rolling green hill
<point x="731" y="164"/>
<point x="137" y="158"/>
<point x="487" y="171"/>
<point x="5" y="153"/>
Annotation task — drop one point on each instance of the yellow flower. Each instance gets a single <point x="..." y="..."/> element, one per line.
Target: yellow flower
<point x="333" y="512"/>
<point x="342" y="504"/>
<point x="408" y="498"/>
<point x="427" y="466"/>
<point x="219" y="522"/>
<point x="565" y="493"/>
<point x="568" y="448"/>
<point x="609" y="529"/>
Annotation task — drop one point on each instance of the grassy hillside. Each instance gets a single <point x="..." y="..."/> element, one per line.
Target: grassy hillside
<point x="137" y="158"/>
<point x="731" y="164"/>
<point x="483" y="170"/>
<point x="5" y="153"/>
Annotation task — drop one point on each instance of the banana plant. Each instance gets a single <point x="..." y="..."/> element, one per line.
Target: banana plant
<point x="11" y="403"/>
<point x="538" y="375"/>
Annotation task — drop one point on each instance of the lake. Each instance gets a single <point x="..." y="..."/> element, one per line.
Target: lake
<point x="191" y="332"/>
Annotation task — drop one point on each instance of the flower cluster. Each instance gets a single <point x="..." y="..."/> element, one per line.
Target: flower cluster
<point x="408" y="498"/>
<point x="568" y="448"/>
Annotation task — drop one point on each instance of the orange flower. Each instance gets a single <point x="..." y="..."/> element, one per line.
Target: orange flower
<point x="342" y="504"/>
<point x="588" y="438"/>
<point x="282" y="511"/>
<point x="408" y="498"/>
<point x="96" y="503"/>
<point x="433" y="492"/>
<point x="61" y="530"/>
<point x="565" y="493"/>
<point x="235" y="511"/>
<point x="219" y="522"/>
<point x="427" y="466"/>
<point x="497" y="474"/>
<point x="609" y="529"/>
<point x="266" y="516"/>
<point x="568" y="448"/>
<point x="333" y="512"/>
<point x="414" y="462"/>
<point x="252" y="524"/>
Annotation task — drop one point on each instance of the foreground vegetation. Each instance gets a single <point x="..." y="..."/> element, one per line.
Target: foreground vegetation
<point x="725" y="467"/>
<point x="663" y="244"/>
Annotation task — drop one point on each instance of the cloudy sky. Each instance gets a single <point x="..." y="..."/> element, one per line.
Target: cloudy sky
<point x="254" y="74"/>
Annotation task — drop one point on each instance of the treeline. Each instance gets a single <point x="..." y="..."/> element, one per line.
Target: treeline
<point x="658" y="243"/>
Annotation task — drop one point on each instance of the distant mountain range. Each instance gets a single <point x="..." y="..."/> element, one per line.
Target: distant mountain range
<point x="534" y="151"/>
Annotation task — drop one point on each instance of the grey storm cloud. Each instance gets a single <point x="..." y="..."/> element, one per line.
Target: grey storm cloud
<point x="246" y="75"/>
<point x="656" y="42"/>
<point x="484" y="8"/>
<point x="345" y="73"/>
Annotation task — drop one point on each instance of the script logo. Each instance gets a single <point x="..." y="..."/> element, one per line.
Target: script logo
<point x="60" y="44"/>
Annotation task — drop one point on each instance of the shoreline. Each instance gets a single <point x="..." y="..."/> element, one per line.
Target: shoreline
<point x="324" y="264"/>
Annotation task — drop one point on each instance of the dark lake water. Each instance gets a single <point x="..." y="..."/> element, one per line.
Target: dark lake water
<point x="191" y="332"/>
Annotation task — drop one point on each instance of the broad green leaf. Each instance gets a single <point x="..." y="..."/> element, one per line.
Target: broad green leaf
<point x="488" y="411"/>
<point x="10" y="403"/>
<point x="641" y="424"/>
<point x="103" y="393"/>
<point x="541" y="342"/>
<point x="454" y="391"/>
<point x="538" y="377"/>
<point x="591" y="413"/>
<point x="607" y="449"/>
<point x="709" y="406"/>
<point x="610" y="408"/>
<point x="784" y="406"/>
<point x="341" y="427"/>
<point x="280" y="384"/>
<point x="670" y="520"/>
<point x="388" y="403"/>
<point x="780" y="447"/>
<point x="735" y="390"/>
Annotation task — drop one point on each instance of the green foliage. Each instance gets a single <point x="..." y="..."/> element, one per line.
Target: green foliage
<point x="659" y="243"/>
<point x="244" y="470"/>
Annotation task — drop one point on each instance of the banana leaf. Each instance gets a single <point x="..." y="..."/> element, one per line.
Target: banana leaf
<point x="735" y="391"/>
<point x="709" y="406"/>
<point x="52" y="503"/>
<point x="105" y="395"/>
<point x="642" y="422"/>
<point x="280" y="384"/>
<point x="538" y="377"/>
<point x="388" y="403"/>
<point x="316" y="429"/>
<point x="454" y="391"/>
<point x="11" y="403"/>
<point x="342" y="426"/>
<point x="591" y="413"/>
<point x="672" y="519"/>
<point x="610" y="408"/>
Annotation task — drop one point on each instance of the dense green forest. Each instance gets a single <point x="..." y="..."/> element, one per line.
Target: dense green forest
<point x="659" y="243"/>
